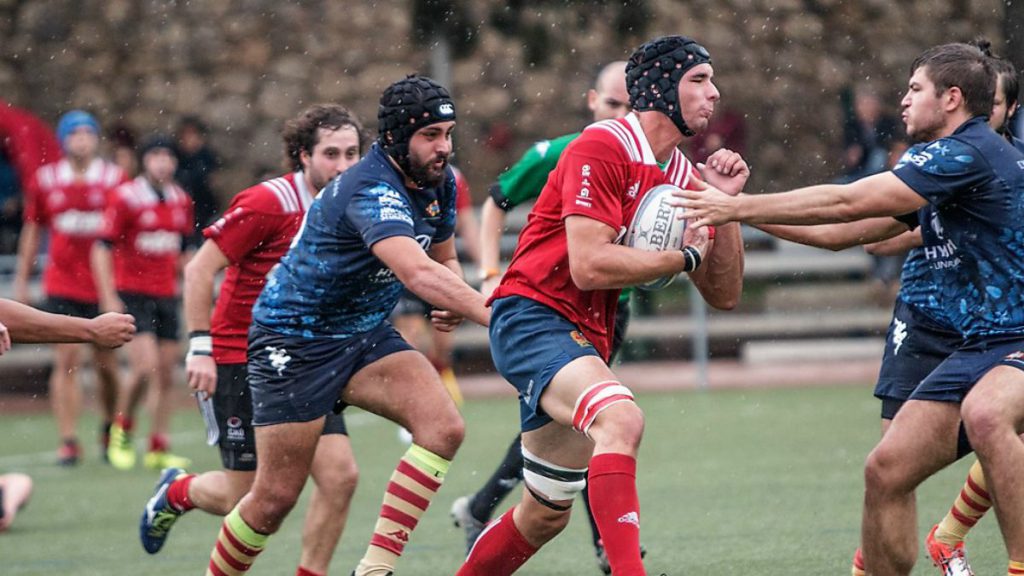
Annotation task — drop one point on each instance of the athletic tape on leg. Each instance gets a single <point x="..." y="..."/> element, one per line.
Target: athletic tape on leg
<point x="549" y="483"/>
<point x="595" y="400"/>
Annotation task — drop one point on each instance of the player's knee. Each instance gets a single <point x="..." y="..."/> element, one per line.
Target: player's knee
<point x="608" y="408"/>
<point x="274" y="502"/>
<point x="882" y="471"/>
<point x="338" y="480"/>
<point x="982" y="420"/>
<point x="622" y="424"/>
<point x="552" y="490"/>
<point x="542" y="524"/>
<point x="441" y="435"/>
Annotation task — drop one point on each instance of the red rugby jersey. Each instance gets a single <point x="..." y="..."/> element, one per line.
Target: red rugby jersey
<point x="254" y="233"/>
<point x="71" y="209"/>
<point x="145" y="230"/>
<point x="601" y="175"/>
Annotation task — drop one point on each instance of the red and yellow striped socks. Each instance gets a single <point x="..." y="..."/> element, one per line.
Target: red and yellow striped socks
<point x="1015" y="569"/>
<point x="972" y="503"/>
<point x="412" y="486"/>
<point x="237" y="547"/>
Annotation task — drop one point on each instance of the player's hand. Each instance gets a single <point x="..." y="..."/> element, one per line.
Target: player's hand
<point x="202" y="373"/>
<point x="725" y="170"/>
<point x="707" y="205"/>
<point x="488" y="286"/>
<point x="112" y="330"/>
<point x="5" y="339"/>
<point x="445" y="320"/>
<point x="700" y="237"/>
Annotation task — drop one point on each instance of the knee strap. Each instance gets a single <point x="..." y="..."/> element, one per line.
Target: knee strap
<point x="594" y="400"/>
<point x="549" y="482"/>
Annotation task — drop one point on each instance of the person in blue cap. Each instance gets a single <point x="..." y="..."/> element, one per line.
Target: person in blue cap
<point x="67" y="199"/>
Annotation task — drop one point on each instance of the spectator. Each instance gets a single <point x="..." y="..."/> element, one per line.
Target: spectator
<point x="866" y="135"/>
<point x="122" y="149"/>
<point x="196" y="164"/>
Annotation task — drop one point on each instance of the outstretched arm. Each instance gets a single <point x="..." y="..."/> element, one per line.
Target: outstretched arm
<point x="896" y="245"/>
<point x="879" y="195"/>
<point x="26" y="324"/>
<point x="838" y="236"/>
<point x="436" y="283"/>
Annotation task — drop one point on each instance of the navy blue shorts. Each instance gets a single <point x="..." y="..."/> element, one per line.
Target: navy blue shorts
<point x="530" y="343"/>
<point x="914" y="347"/>
<point x="296" y="379"/>
<point x="953" y="379"/>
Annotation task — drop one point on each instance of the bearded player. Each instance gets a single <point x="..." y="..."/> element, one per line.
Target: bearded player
<point x="554" y="312"/>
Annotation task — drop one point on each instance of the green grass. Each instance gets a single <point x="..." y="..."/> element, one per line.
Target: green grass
<point x="760" y="481"/>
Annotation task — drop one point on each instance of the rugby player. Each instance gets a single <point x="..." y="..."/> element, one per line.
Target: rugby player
<point x="67" y="199"/>
<point x="973" y="179"/>
<point x="320" y="332"/>
<point x="554" y="311"/>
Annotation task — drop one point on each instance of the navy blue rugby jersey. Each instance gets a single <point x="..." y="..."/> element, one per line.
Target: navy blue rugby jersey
<point x="330" y="284"/>
<point x="924" y="266"/>
<point x="974" y="180"/>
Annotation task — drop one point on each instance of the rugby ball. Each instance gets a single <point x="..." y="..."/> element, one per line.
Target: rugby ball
<point x="656" y="226"/>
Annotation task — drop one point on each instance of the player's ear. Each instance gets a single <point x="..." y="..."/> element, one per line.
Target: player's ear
<point x="953" y="98"/>
<point x="592" y="100"/>
<point x="306" y="159"/>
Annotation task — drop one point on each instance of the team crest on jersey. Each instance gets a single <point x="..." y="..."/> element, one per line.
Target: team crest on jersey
<point x="580" y="339"/>
<point x="148" y="218"/>
<point x="433" y="209"/>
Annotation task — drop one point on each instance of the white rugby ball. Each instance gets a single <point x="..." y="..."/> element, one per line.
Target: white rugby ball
<point x="656" y="226"/>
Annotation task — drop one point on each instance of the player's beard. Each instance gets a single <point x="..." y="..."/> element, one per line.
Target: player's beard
<point x="425" y="174"/>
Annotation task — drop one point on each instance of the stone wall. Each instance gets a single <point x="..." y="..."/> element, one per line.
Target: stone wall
<point x="246" y="65"/>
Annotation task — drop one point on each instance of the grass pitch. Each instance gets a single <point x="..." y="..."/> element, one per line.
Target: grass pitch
<point x="731" y="482"/>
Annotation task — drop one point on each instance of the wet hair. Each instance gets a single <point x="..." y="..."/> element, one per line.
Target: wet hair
<point x="1003" y="68"/>
<point x="965" y="67"/>
<point x="302" y="134"/>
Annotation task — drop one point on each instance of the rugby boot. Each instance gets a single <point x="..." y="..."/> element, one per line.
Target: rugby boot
<point x="464" y="519"/>
<point x="158" y="517"/>
<point x="121" y="451"/>
<point x="602" y="557"/>
<point x="160" y="459"/>
<point x="68" y="452"/>
<point x="951" y="560"/>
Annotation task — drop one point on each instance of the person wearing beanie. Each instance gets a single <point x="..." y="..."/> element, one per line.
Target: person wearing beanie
<point x="136" y="266"/>
<point x="67" y="199"/>
<point x="320" y="338"/>
<point x="553" y="314"/>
